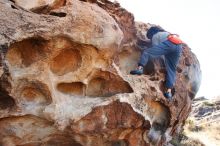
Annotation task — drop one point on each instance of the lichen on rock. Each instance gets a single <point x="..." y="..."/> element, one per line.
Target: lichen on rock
<point x="65" y="80"/>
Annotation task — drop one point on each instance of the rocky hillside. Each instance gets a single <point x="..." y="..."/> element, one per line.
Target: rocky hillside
<point x="203" y="126"/>
<point x="65" y="80"/>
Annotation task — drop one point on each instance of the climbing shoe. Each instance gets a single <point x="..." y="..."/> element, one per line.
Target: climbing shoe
<point x="168" y="95"/>
<point x="138" y="71"/>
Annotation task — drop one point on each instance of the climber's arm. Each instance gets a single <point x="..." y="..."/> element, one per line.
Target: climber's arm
<point x="143" y="44"/>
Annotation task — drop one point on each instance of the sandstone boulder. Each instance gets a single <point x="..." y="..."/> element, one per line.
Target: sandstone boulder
<point x="65" y="77"/>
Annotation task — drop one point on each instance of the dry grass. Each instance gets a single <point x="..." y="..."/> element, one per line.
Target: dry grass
<point x="191" y="142"/>
<point x="206" y="133"/>
<point x="206" y="103"/>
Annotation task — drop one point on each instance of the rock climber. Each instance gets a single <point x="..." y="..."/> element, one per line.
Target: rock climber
<point x="163" y="43"/>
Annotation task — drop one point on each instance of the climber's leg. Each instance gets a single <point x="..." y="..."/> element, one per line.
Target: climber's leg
<point x="153" y="52"/>
<point x="171" y="61"/>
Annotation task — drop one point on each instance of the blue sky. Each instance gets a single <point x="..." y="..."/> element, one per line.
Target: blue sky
<point x="198" y="24"/>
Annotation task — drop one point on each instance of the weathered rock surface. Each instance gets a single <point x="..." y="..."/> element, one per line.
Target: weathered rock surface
<point x="65" y="77"/>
